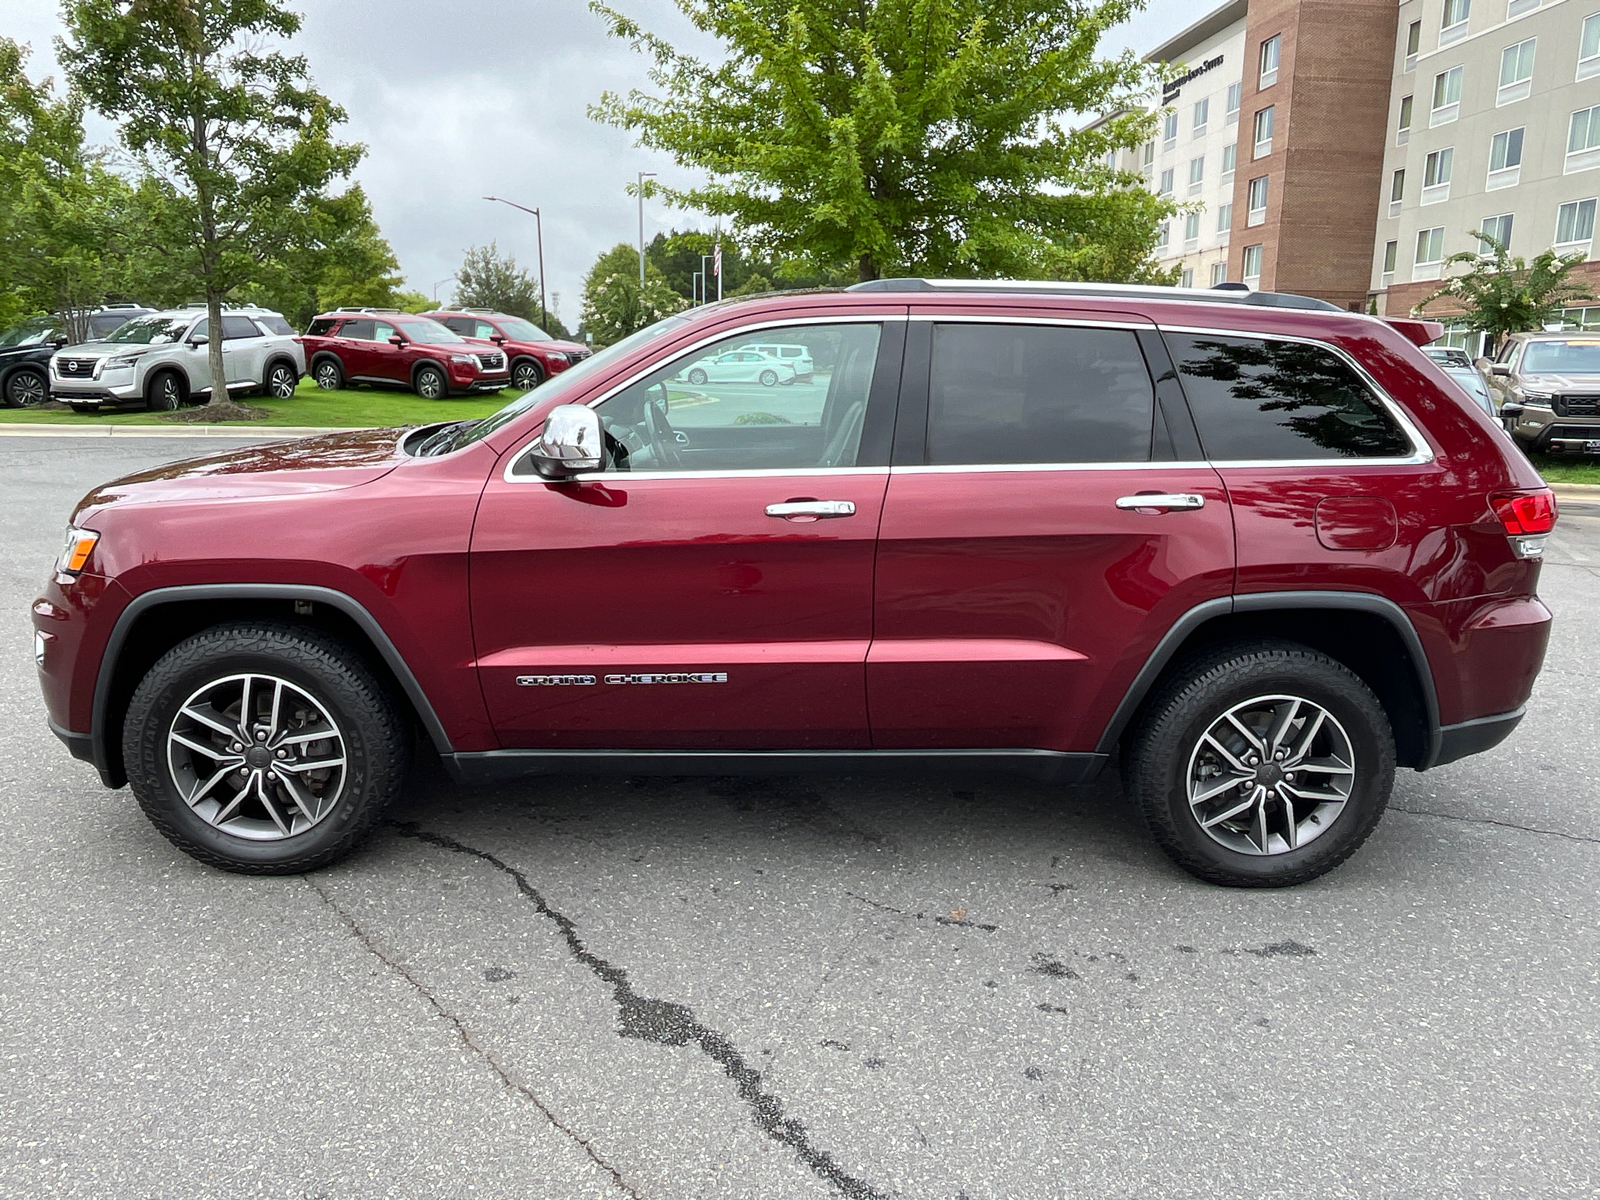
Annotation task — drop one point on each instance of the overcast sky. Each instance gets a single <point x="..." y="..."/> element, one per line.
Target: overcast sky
<point x="490" y="100"/>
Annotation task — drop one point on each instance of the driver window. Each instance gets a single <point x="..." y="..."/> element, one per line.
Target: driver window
<point x="723" y="407"/>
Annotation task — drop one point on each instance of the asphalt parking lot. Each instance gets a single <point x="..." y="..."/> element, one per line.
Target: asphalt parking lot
<point x="931" y="986"/>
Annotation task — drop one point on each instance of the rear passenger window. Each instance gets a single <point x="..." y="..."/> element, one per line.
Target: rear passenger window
<point x="1255" y="399"/>
<point x="1038" y="394"/>
<point x="237" y="328"/>
<point x="360" y="330"/>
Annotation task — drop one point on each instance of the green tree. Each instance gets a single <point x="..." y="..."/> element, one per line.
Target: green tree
<point x="919" y="136"/>
<point x="616" y="304"/>
<point x="1503" y="294"/>
<point x="235" y="138"/>
<point x="489" y="279"/>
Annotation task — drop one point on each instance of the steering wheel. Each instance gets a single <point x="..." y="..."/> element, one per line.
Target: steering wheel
<point x="663" y="438"/>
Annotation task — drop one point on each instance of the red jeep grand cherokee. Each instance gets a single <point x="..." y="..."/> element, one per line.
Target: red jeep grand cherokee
<point x="534" y="354"/>
<point x="1261" y="546"/>
<point x="390" y="348"/>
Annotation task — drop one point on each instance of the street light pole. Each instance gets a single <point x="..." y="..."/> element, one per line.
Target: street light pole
<point x="538" y="223"/>
<point x="446" y="279"/>
<point x="639" y="187"/>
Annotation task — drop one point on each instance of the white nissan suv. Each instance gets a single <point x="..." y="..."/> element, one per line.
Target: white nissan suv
<point x="162" y="361"/>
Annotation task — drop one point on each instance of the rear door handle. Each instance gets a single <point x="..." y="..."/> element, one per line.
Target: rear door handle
<point x="1177" y="500"/>
<point x="813" y="508"/>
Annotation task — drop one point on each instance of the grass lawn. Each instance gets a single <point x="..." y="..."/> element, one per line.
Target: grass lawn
<point x="1568" y="469"/>
<point x="311" y="406"/>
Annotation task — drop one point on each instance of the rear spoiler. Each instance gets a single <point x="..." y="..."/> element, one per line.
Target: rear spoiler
<point x="1420" y="332"/>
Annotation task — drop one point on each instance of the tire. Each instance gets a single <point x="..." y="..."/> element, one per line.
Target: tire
<point x="1170" y="753"/>
<point x="316" y="684"/>
<point x="697" y="377"/>
<point x="165" y="393"/>
<point x="281" y="381"/>
<point x="526" y="375"/>
<point x="26" y="389"/>
<point x="769" y="378"/>
<point x="429" y="383"/>
<point x="329" y="375"/>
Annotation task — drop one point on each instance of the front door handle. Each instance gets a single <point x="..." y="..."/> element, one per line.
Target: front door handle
<point x="813" y="508"/>
<point x="1166" y="502"/>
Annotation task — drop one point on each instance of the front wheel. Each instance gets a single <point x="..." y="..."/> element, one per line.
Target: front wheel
<point x="769" y="378"/>
<point x="263" y="748"/>
<point x="526" y="376"/>
<point x="1262" y="766"/>
<point x="697" y="377"/>
<point x="165" y="394"/>
<point x="26" y="389"/>
<point x="430" y="383"/>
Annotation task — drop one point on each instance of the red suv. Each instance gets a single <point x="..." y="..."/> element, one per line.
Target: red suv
<point x="534" y="354"/>
<point x="387" y="347"/>
<point x="1261" y="548"/>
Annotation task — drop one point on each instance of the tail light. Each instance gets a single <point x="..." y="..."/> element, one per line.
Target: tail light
<point x="1528" y="518"/>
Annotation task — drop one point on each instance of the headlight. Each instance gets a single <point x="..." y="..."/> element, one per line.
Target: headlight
<point x="556" y="356"/>
<point x="122" y="360"/>
<point x="1542" y="399"/>
<point x="75" y="550"/>
<point x="466" y="359"/>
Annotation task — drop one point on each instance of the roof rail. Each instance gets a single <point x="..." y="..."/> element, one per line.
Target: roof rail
<point x="363" y="309"/>
<point x="1112" y="291"/>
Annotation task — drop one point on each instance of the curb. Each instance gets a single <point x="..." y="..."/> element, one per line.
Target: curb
<point x="268" y="431"/>
<point x="1584" y="492"/>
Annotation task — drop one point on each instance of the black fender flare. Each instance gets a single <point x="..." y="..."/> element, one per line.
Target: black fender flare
<point x="322" y="356"/>
<point x="1364" y="602"/>
<point x="279" y="356"/>
<point x="430" y="362"/>
<point x="100" y="736"/>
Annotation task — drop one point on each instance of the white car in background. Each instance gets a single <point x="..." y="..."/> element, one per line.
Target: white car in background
<point x="162" y="361"/>
<point x="739" y="366"/>
<point x="798" y="357"/>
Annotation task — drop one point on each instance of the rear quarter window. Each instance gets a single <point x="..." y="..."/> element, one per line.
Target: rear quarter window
<point x="321" y="326"/>
<point x="276" y="325"/>
<point x="1257" y="399"/>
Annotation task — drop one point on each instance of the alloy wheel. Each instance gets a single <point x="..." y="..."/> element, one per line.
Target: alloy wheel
<point x="430" y="386"/>
<point x="1270" y="775"/>
<point x="25" y="389"/>
<point x="526" y="377"/>
<point x="168" y="397"/>
<point x="327" y="376"/>
<point x="281" y="383"/>
<point x="257" y="757"/>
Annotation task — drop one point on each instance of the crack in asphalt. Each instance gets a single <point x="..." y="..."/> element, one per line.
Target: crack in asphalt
<point x="469" y="1041"/>
<point x="670" y="1024"/>
<point x="1423" y="812"/>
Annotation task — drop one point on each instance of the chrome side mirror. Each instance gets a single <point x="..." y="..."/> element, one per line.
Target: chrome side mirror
<point x="570" y="444"/>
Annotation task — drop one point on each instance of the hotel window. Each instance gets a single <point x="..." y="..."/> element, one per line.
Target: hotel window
<point x="1252" y="266"/>
<point x="1225" y="217"/>
<point x="1453" y="27"/>
<point x="1202" y="113"/>
<point x="1436" y="172"/>
<point x="1589" y="47"/>
<point x="1263" y="133"/>
<point x="1111" y="160"/>
<point x="1197" y="174"/>
<point x="1234" y="89"/>
<point x="1230" y="155"/>
<point x="1269" y="60"/>
<point x="1575" y="225"/>
<point x="1404" y="134"/>
<point x="1430" y="247"/>
<point x="1163" y="235"/>
<point x="1166" y="182"/>
<point x="1191" y="227"/>
<point x="1515" y="8"/>
<point x="1516" y="73"/>
<point x="1187" y="278"/>
<point x="1583" y="140"/>
<point x="1397" y="192"/>
<point x="1413" y="44"/>
<point x="1498" y="228"/>
<point x="1149" y="153"/>
<point x="1391" y="251"/>
<point x="1256" y="211"/>
<point x="1505" y="159"/>
<point x="1169" y="131"/>
<point x="1219" y="273"/>
<point x="1446" y="97"/>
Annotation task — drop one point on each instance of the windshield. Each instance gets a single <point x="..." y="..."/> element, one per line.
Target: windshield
<point x="28" y="333"/>
<point x="150" y="331"/>
<point x="429" y="333"/>
<point x="569" y="382"/>
<point x="524" y="331"/>
<point x="1574" y="357"/>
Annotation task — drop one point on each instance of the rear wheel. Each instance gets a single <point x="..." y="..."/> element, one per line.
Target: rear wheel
<point x="281" y="381"/>
<point x="263" y="748"/>
<point x="26" y="389"/>
<point x="329" y="375"/>
<point x="165" y="393"/>
<point x="1262" y="765"/>
<point x="526" y="375"/>
<point x="430" y="383"/>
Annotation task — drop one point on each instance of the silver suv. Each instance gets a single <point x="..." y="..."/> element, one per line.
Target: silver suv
<point x="1551" y="384"/>
<point x="162" y="361"/>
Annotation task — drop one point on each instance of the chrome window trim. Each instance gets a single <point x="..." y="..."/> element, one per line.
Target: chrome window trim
<point x="988" y="468"/>
<point x="1136" y="324"/>
<point x="748" y="473"/>
<point x="1421" y="451"/>
<point x="742" y="330"/>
